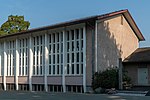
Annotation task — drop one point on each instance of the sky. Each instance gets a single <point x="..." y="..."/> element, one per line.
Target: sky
<point x="46" y="12"/>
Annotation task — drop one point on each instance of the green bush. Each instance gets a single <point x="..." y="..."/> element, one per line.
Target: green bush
<point x="105" y="79"/>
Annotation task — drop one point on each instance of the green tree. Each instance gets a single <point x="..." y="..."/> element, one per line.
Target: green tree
<point x="14" y="24"/>
<point x="106" y="79"/>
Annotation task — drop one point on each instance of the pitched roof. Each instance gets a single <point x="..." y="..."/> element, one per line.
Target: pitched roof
<point x="139" y="55"/>
<point x="125" y="12"/>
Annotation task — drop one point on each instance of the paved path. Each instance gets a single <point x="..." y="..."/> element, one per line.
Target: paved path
<point x="64" y="96"/>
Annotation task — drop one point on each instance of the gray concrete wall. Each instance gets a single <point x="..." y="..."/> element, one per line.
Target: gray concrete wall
<point x="23" y="80"/>
<point x="90" y="47"/>
<point x="74" y="80"/>
<point x="54" y="80"/>
<point x="37" y="80"/>
<point x="10" y="79"/>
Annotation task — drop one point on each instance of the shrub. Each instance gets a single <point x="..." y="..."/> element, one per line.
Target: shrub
<point x="105" y="79"/>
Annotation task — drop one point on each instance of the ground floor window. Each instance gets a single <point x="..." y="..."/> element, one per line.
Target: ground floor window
<point x="10" y="87"/>
<point x="55" y="88"/>
<point x="37" y="87"/>
<point x="74" y="88"/>
<point x="23" y="87"/>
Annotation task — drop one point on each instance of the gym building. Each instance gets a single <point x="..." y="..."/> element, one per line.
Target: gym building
<point x="63" y="57"/>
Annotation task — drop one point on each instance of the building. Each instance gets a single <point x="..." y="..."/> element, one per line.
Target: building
<point x="64" y="56"/>
<point x="137" y="66"/>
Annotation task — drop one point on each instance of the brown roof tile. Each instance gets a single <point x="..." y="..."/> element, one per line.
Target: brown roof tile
<point x="139" y="55"/>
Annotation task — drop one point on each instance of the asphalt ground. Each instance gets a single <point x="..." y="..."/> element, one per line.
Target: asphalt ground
<point x="19" y="95"/>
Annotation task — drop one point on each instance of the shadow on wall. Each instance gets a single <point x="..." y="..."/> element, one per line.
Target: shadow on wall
<point x="109" y="51"/>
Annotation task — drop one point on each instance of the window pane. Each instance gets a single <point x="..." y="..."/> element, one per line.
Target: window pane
<point x="49" y="69"/>
<point x="57" y="69"/>
<point x="72" y="33"/>
<point x="72" y="68"/>
<point x="77" y="68"/>
<point x="53" y="69"/>
<point x="68" y="69"/>
<point x="72" y="57"/>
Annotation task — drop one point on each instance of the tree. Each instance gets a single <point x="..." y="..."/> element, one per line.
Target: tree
<point x="14" y="24"/>
<point x="106" y="79"/>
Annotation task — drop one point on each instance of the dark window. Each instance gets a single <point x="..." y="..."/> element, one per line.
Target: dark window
<point x="49" y="59"/>
<point x="57" y="69"/>
<point x="72" y="68"/>
<point x="68" y="69"/>
<point x="77" y="68"/>
<point x="37" y="40"/>
<point x="54" y="38"/>
<point x="50" y="38"/>
<point x="77" y="33"/>
<point x="53" y="59"/>
<point x="72" y="32"/>
<point x="53" y="69"/>
<point x="57" y="37"/>
<point x="72" y="57"/>
<point x="78" y="57"/>
<point x="72" y="46"/>
<point x="49" y="69"/>
<point x="53" y="48"/>
<point x="58" y="58"/>
<point x="41" y="39"/>
<point x="67" y="35"/>
<point x="81" y="68"/>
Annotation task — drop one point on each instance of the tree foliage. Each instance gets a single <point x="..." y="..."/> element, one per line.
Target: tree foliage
<point x="105" y="79"/>
<point x="14" y="24"/>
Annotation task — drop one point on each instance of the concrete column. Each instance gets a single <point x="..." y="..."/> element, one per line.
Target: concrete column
<point x="17" y="64"/>
<point x="120" y="74"/>
<point x="5" y="65"/>
<point x="30" y="62"/>
<point x="46" y="62"/>
<point x="1" y="59"/>
<point x="64" y="62"/>
<point x="84" y="59"/>
<point x="96" y="35"/>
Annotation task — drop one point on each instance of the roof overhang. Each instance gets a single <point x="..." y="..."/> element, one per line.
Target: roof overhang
<point x="133" y="25"/>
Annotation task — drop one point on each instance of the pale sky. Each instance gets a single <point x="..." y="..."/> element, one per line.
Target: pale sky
<point x="46" y="12"/>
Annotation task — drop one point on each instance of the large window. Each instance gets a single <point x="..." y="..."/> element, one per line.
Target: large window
<point x="55" y="53"/>
<point x="10" y="57"/>
<point x="38" y="55"/>
<point x="23" y="57"/>
<point x="74" y="52"/>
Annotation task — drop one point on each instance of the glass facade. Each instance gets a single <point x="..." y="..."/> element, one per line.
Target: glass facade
<point x="28" y="56"/>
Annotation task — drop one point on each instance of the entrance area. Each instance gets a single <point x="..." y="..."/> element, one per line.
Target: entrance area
<point x="142" y="76"/>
